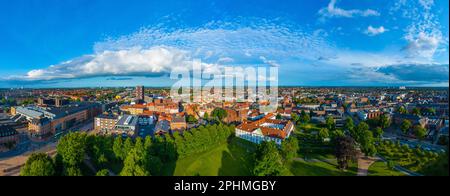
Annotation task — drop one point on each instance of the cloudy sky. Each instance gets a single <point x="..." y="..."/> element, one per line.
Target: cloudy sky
<point x="313" y="43"/>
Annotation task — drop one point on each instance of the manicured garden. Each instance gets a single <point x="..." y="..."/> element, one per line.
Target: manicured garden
<point x="409" y="158"/>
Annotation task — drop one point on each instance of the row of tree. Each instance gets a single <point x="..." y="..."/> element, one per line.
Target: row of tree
<point x="201" y="139"/>
<point x="416" y="111"/>
<point x="139" y="157"/>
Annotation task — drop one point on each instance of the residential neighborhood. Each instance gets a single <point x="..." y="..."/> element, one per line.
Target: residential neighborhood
<point x="414" y="118"/>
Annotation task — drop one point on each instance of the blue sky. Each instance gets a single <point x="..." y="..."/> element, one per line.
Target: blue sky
<point x="51" y="43"/>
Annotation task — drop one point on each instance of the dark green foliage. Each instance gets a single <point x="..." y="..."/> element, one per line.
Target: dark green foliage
<point x="289" y="148"/>
<point x="330" y="123"/>
<point x="103" y="172"/>
<point x="72" y="149"/>
<point x="268" y="161"/>
<point x="39" y="164"/>
<point x="345" y="151"/>
<point x="219" y="113"/>
<point x="405" y="126"/>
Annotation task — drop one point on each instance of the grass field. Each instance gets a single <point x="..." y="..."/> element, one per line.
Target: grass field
<point x="232" y="159"/>
<point x="380" y="168"/>
<point x="236" y="159"/>
<point x="319" y="168"/>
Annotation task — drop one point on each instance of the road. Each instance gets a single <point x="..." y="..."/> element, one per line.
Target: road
<point x="11" y="161"/>
<point x="413" y="143"/>
<point x="26" y="144"/>
<point x="11" y="166"/>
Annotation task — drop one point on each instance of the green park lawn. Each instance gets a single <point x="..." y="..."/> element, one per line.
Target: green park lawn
<point x="232" y="159"/>
<point x="380" y="168"/>
<point x="319" y="168"/>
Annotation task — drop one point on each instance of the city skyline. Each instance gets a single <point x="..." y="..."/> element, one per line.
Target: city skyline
<point x="320" y="43"/>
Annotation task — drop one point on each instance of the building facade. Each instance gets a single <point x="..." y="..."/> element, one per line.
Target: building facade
<point x="265" y="129"/>
<point x="140" y="93"/>
<point x="9" y="137"/>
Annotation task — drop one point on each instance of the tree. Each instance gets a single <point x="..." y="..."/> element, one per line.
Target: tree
<point x="278" y="117"/>
<point x="38" y="164"/>
<point x="402" y="110"/>
<point x="385" y="121"/>
<point x="391" y="165"/>
<point x="438" y="167"/>
<point x="268" y="160"/>
<point x="304" y="117"/>
<point x="378" y="132"/>
<point x="206" y="116"/>
<point x="324" y="133"/>
<point x="420" y="132"/>
<point x="72" y="171"/>
<point x="358" y="132"/>
<point x="133" y="165"/>
<point x="367" y="143"/>
<point x="295" y="118"/>
<point x="345" y="151"/>
<point x="191" y="119"/>
<point x="289" y="148"/>
<point x="148" y="142"/>
<point x="127" y="146"/>
<point x="103" y="172"/>
<point x="405" y="126"/>
<point x="331" y="124"/>
<point x="337" y="134"/>
<point x="349" y="125"/>
<point x="431" y="111"/>
<point x="72" y="148"/>
<point x="416" y="111"/>
<point x="118" y="148"/>
<point x="219" y="113"/>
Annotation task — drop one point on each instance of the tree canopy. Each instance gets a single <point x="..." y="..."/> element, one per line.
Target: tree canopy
<point x="268" y="161"/>
<point x="38" y="164"/>
<point x="219" y="113"/>
<point x="345" y="151"/>
<point x="405" y="126"/>
<point x="72" y="148"/>
<point x="289" y="148"/>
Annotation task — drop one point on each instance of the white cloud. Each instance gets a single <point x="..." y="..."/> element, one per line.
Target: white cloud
<point x="225" y="60"/>
<point x="332" y="11"/>
<point x="237" y="39"/>
<point x="272" y="63"/>
<point x="423" y="35"/>
<point x="423" y="45"/>
<point x="372" y="31"/>
<point x="427" y="4"/>
<point x="157" y="51"/>
<point x="158" y="60"/>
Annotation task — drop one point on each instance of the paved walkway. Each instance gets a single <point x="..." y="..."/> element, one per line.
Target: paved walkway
<point x="364" y="163"/>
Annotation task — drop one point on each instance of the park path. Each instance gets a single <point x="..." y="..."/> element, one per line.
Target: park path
<point x="88" y="163"/>
<point x="364" y="163"/>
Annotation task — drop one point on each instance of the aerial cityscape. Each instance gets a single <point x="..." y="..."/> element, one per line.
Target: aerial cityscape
<point x="224" y="88"/>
